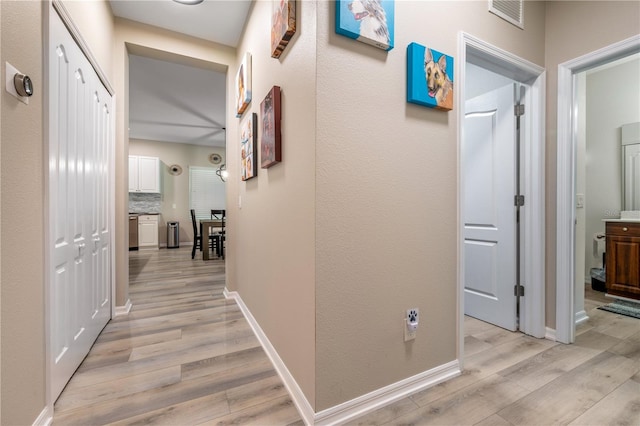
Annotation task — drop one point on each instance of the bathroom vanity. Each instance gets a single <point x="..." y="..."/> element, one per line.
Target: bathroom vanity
<point x="623" y="258"/>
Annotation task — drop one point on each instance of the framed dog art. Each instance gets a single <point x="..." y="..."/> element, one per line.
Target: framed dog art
<point x="283" y="25"/>
<point x="368" y="21"/>
<point x="429" y="77"/>
<point x="243" y="85"/>
<point x="248" y="139"/>
<point x="271" y="142"/>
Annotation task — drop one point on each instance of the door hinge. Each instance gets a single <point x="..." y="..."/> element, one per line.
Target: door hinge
<point x="519" y="200"/>
<point x="518" y="290"/>
<point x="518" y="110"/>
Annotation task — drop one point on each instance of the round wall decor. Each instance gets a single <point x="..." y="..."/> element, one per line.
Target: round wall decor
<point x="215" y="158"/>
<point x="175" y="170"/>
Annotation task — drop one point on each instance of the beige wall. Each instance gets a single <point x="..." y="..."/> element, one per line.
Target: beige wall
<point x="175" y="189"/>
<point x="22" y="177"/>
<point x="22" y="170"/>
<point x="272" y="237"/>
<point x="386" y="199"/>
<point x="145" y="40"/>
<point x="570" y="34"/>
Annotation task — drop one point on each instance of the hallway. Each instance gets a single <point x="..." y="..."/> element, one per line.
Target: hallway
<point x="185" y="356"/>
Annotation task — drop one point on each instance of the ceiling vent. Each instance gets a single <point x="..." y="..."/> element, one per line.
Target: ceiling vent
<point x="509" y="10"/>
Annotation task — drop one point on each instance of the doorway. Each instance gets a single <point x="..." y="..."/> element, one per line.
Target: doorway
<point x="504" y="68"/>
<point x="566" y="178"/>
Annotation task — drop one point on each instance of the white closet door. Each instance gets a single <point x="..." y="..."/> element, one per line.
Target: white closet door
<point x="79" y="158"/>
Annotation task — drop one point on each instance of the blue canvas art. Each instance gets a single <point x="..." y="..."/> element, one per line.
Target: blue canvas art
<point x="429" y="77"/>
<point x="368" y="21"/>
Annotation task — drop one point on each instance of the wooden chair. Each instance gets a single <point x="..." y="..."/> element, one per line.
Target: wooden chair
<point x="214" y="240"/>
<point x="221" y="216"/>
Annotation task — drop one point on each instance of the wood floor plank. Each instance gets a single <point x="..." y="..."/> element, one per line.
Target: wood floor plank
<point x="467" y="406"/>
<point x="386" y="414"/>
<point x="567" y="397"/>
<point x="280" y="411"/>
<point x="540" y="369"/>
<point x="620" y="407"/>
<point x="124" y="407"/>
<point x="190" y="412"/>
<point x="255" y="393"/>
<point x="493" y="420"/>
<point x="78" y="396"/>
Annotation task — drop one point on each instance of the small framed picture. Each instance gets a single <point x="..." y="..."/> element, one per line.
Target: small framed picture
<point x="368" y="21"/>
<point x="248" y="141"/>
<point x="429" y="77"/>
<point x="283" y="25"/>
<point x="243" y="85"/>
<point x="270" y="144"/>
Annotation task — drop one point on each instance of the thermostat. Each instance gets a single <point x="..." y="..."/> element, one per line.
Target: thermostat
<point x="23" y="84"/>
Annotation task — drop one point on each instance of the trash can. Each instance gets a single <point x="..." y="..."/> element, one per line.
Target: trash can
<point x="173" y="234"/>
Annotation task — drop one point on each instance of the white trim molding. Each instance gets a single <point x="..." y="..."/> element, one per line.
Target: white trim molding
<point x="356" y="407"/>
<point x="379" y="398"/>
<point x="566" y="150"/>
<point x="45" y="418"/>
<point x="123" y="310"/>
<point x="472" y="49"/>
<point x="550" y="334"/>
<point x="581" y="317"/>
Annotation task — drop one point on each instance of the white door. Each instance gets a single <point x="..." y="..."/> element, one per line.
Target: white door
<point x="489" y="212"/>
<point x="79" y="175"/>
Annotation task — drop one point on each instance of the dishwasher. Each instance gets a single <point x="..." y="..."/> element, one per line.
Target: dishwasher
<point x="133" y="232"/>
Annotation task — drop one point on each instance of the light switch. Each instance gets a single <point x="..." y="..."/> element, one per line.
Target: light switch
<point x="239" y="201"/>
<point x="579" y="201"/>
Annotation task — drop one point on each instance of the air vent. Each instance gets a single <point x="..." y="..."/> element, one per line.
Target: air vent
<point x="509" y="10"/>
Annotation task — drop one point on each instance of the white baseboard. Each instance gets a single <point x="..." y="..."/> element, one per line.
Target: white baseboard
<point x="45" y="418"/>
<point x="550" y="334"/>
<point x="581" y="317"/>
<point x="304" y="407"/>
<point x="379" y="398"/>
<point x="123" y="310"/>
<point x="356" y="407"/>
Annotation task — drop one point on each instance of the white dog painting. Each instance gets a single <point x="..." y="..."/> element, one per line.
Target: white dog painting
<point x="368" y="21"/>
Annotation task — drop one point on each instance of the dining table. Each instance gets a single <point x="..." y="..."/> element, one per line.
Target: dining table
<point x="207" y="224"/>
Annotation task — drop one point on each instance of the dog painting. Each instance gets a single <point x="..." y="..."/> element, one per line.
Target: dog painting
<point x="243" y="85"/>
<point x="283" y="25"/>
<point x="429" y="77"/>
<point x="248" y="141"/>
<point x="368" y="21"/>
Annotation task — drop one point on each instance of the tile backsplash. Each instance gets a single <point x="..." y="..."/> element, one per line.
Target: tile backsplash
<point x="145" y="203"/>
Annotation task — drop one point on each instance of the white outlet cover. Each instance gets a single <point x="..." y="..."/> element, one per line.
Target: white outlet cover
<point x="11" y="71"/>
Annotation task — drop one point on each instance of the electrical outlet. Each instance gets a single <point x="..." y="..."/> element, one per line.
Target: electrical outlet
<point x="411" y="324"/>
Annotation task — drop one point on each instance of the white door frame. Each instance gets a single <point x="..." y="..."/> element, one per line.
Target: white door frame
<point x="532" y="308"/>
<point x="566" y="194"/>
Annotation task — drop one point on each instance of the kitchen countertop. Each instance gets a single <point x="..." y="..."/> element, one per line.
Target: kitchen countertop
<point x="142" y="213"/>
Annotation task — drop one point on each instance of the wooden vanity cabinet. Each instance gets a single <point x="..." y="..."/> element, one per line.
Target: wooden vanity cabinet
<point x="623" y="259"/>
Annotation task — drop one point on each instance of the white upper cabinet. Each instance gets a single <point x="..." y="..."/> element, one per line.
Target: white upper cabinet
<point x="144" y="174"/>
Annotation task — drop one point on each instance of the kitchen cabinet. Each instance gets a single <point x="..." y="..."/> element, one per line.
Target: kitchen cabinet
<point x="623" y="259"/>
<point x="148" y="231"/>
<point x="144" y="174"/>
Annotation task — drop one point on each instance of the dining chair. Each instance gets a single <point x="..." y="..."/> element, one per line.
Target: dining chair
<point x="220" y="215"/>
<point x="197" y="237"/>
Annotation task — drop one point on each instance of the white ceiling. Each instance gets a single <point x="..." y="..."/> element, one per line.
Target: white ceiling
<point x="171" y="102"/>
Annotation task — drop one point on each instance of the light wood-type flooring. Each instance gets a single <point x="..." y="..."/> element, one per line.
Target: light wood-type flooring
<point x="186" y="356"/>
